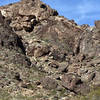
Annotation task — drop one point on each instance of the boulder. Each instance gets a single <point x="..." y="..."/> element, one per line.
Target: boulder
<point x="71" y="81"/>
<point x="49" y="83"/>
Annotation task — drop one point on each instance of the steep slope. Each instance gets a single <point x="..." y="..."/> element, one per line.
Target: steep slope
<point x="44" y="56"/>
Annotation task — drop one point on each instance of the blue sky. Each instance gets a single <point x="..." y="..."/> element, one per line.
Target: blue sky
<point x="5" y="2"/>
<point x="82" y="11"/>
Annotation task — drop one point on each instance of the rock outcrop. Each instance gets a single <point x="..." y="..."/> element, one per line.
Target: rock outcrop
<point x="44" y="56"/>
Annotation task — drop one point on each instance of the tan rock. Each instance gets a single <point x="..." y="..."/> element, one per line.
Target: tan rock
<point x="97" y="24"/>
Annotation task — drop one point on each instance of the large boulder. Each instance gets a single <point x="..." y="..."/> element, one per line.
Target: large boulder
<point x="89" y="44"/>
<point x="49" y="83"/>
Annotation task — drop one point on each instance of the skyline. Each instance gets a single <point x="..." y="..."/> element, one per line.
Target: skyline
<point x="83" y="12"/>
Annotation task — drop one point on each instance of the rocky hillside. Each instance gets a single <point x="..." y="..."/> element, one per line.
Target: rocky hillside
<point x="44" y="56"/>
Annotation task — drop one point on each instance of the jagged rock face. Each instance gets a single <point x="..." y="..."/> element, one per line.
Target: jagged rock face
<point x="44" y="55"/>
<point x="35" y="16"/>
<point x="27" y="13"/>
<point x="60" y="33"/>
<point x="90" y="44"/>
<point x="9" y="39"/>
<point x="11" y="46"/>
